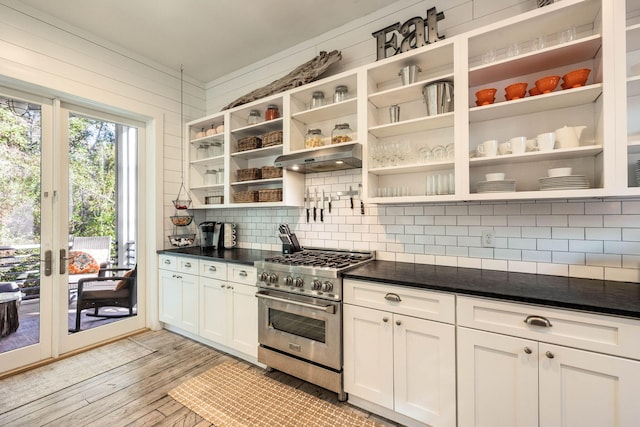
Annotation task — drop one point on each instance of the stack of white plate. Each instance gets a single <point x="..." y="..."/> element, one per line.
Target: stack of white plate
<point x="506" y="185"/>
<point x="570" y="182"/>
<point x="638" y="173"/>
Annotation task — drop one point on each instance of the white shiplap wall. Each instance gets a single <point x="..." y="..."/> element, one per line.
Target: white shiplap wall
<point x="584" y="238"/>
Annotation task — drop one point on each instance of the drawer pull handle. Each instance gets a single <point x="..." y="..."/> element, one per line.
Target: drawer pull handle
<point x="398" y="322"/>
<point x="385" y="319"/>
<point x="187" y="265"/>
<point x="222" y="286"/>
<point x="538" y="321"/>
<point x="392" y="297"/>
<point x="527" y="350"/>
<point x="212" y="269"/>
<point x="550" y="355"/>
<point x="243" y="273"/>
<point x="167" y="261"/>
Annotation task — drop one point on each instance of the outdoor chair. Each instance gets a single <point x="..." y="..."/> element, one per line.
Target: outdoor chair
<point x="107" y="290"/>
<point x="86" y="257"/>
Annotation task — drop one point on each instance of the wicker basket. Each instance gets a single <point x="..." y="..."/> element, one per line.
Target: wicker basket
<point x="248" y="174"/>
<point x="245" y="196"/>
<point x="271" y="138"/>
<point x="249" y="143"/>
<point x="270" y="195"/>
<point x="271" y="172"/>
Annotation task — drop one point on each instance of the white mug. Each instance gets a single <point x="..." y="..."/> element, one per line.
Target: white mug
<point x="546" y="141"/>
<point x="488" y="148"/>
<point x="504" y="148"/>
<point x="518" y="145"/>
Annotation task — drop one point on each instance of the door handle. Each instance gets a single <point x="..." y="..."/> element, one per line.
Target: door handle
<point x="48" y="261"/>
<point x="63" y="261"/>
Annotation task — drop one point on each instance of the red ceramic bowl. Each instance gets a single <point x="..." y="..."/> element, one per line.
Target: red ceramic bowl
<point x="575" y="78"/>
<point x="547" y="84"/>
<point x="534" y="91"/>
<point x="515" y="91"/>
<point x="486" y="96"/>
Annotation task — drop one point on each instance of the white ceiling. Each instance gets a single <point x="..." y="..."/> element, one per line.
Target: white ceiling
<point x="210" y="38"/>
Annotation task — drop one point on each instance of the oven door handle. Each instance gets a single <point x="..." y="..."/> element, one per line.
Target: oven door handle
<point x="331" y="309"/>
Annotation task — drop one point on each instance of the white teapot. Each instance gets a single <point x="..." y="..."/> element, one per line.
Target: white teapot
<point x="568" y="136"/>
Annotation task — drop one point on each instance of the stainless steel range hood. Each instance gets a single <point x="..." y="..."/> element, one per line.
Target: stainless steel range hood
<point x="332" y="158"/>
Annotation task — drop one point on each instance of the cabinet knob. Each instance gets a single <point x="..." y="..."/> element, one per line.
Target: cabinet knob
<point x="230" y="287"/>
<point x="550" y="355"/>
<point x="385" y="319"/>
<point x="398" y="322"/>
<point x="223" y="286"/>
<point x="212" y="268"/>
<point x="527" y="350"/>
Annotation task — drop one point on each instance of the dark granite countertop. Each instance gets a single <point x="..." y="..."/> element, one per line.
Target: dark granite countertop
<point x="237" y="256"/>
<point x="600" y="296"/>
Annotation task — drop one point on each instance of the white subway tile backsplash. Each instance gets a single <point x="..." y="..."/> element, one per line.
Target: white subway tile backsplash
<point x="594" y="246"/>
<point x="507" y="209"/>
<point x="586" y="271"/>
<point x="495" y="264"/>
<point x="630" y="234"/>
<point x="481" y="252"/>
<point x="575" y="208"/>
<point x="446" y="240"/>
<point x="445" y="220"/>
<point x="630" y="261"/>
<point x="536" y="232"/>
<point x="494" y="220"/>
<point x="585" y="220"/>
<point x="553" y="245"/>
<point x="521" y="221"/>
<point x="567" y="233"/>
<point x="604" y="260"/>
<point x="621" y="221"/>
<point x="469" y="262"/>
<point x="510" y="254"/>
<point x="469" y="220"/>
<point x="625" y="248"/>
<point x="603" y="207"/>
<point x="481" y="210"/>
<point x="622" y="275"/>
<point x="425" y="259"/>
<point x="455" y="230"/>
<point x="553" y="269"/>
<point x="517" y="243"/>
<point x="631" y="207"/>
<point x="603" y="233"/>
<point x="523" y="267"/>
<point x="568" y="258"/>
<point x="536" y="256"/>
<point x="551" y="220"/>
<point x="450" y="261"/>
<point x="456" y="210"/>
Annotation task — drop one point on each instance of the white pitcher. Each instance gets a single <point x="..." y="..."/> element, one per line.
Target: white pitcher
<point x="569" y="136"/>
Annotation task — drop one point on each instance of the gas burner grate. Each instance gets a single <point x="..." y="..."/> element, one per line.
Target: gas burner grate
<point x="310" y="258"/>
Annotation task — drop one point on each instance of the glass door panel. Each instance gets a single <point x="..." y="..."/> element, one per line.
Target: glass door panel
<point x="25" y="230"/>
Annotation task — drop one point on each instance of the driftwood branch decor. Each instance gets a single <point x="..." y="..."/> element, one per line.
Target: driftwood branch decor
<point x="303" y="74"/>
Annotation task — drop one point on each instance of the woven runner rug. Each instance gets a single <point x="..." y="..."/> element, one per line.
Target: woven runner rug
<point x="233" y="395"/>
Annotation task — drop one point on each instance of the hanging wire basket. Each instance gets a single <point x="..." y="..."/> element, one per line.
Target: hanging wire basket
<point x="181" y="202"/>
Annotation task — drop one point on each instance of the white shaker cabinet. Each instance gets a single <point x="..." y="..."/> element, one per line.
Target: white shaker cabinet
<point x="229" y="308"/>
<point x="396" y="361"/>
<point x="521" y="380"/>
<point x="178" y="292"/>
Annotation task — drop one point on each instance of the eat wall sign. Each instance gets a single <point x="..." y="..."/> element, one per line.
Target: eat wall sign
<point x="415" y="32"/>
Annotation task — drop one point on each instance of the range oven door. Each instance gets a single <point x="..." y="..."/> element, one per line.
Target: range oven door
<point x="304" y="327"/>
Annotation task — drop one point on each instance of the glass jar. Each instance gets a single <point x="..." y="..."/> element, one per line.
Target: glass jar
<point x="216" y="149"/>
<point x="341" y="133"/>
<point x="341" y="93"/>
<point x="221" y="176"/>
<point x="202" y="152"/>
<point x="317" y="99"/>
<point x="210" y="177"/>
<point x="272" y="112"/>
<point x="313" y="138"/>
<point x="254" y="117"/>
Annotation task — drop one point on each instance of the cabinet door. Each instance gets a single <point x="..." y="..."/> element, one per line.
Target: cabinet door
<point x="424" y="370"/>
<point x="243" y="319"/>
<point x="368" y="354"/>
<point x="170" y="294"/>
<point x="213" y="310"/>
<point x="581" y="388"/>
<point x="497" y="380"/>
<point x="189" y="303"/>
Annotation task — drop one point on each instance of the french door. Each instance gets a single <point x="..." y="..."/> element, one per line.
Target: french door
<point x="67" y="173"/>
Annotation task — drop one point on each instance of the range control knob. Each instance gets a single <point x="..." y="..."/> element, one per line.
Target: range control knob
<point x="298" y="282"/>
<point x="273" y="278"/>
<point x="264" y="276"/>
<point x="288" y="281"/>
<point x="327" y="286"/>
<point x="317" y="285"/>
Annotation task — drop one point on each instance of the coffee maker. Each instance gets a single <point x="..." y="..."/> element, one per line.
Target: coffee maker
<point x="217" y="235"/>
<point x="209" y="235"/>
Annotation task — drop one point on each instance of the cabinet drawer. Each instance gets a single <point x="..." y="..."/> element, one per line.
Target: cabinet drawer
<point x="167" y="262"/>
<point x="187" y="265"/>
<point x="595" y="332"/>
<point x="213" y="270"/>
<point x="242" y="274"/>
<point x="438" y="306"/>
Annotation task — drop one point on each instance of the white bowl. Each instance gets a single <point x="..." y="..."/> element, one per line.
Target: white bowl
<point x="560" y="172"/>
<point x="495" y="176"/>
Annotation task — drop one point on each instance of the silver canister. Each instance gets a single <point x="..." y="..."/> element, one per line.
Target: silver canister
<point x="409" y="74"/>
<point x="438" y="96"/>
<point x="394" y="113"/>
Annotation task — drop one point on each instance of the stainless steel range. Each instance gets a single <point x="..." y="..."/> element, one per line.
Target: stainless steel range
<point x="300" y="313"/>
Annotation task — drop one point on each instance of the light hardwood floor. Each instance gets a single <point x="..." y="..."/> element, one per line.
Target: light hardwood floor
<point x="135" y="394"/>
